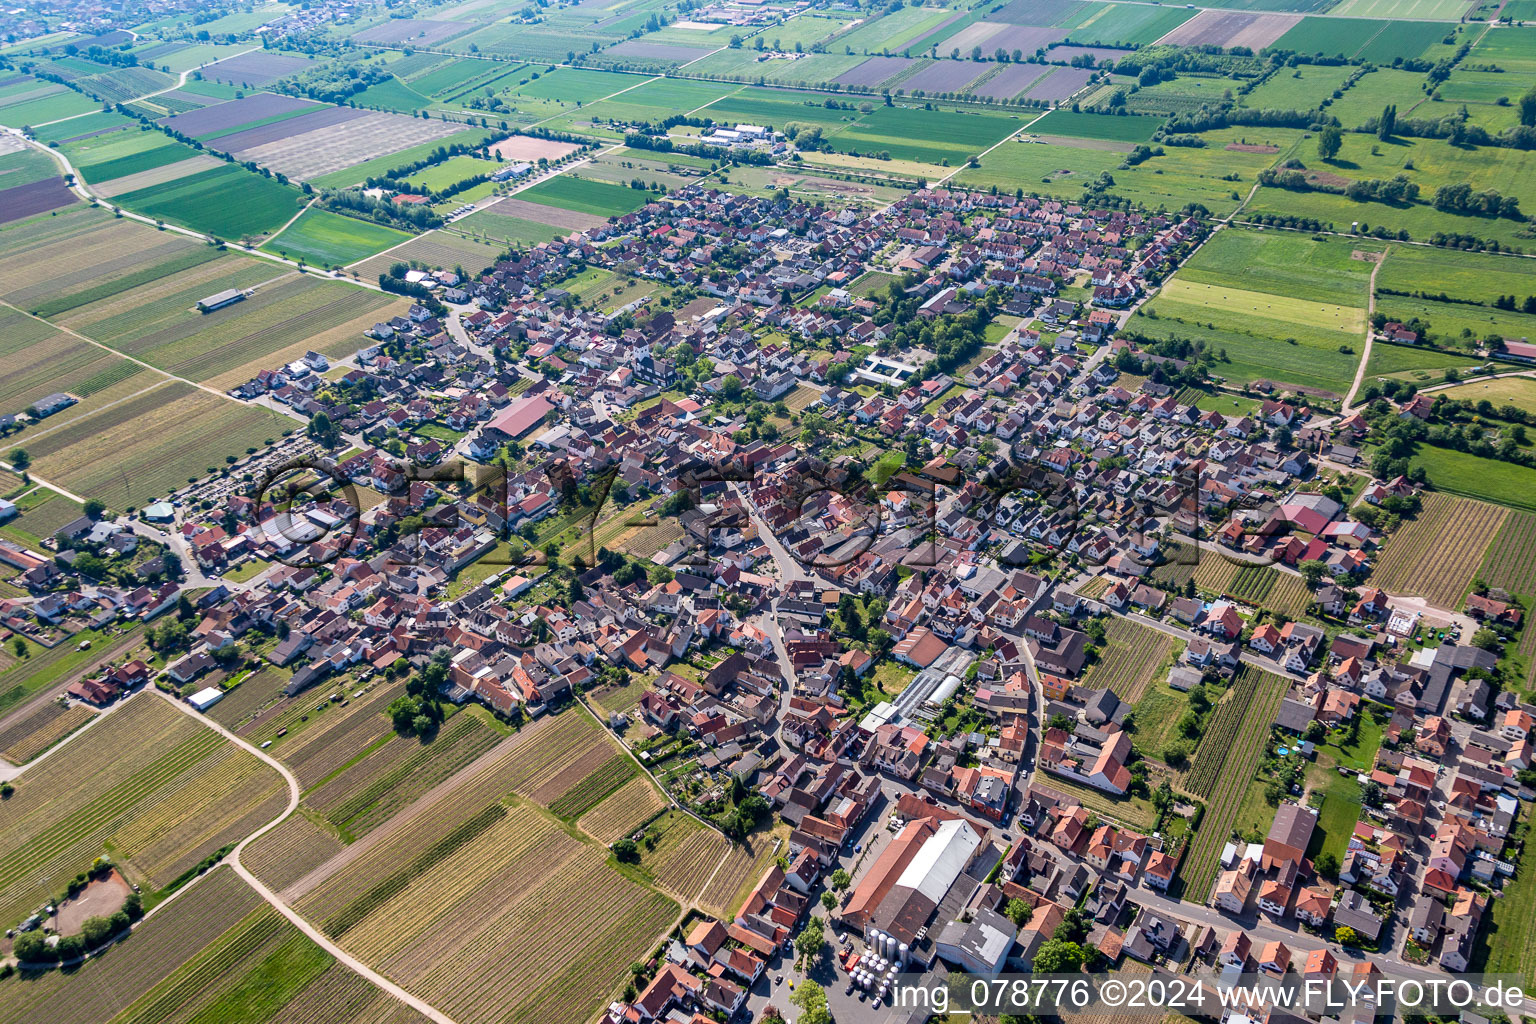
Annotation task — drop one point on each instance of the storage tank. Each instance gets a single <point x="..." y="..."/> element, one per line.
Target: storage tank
<point x="890" y="947"/>
<point x="901" y="953"/>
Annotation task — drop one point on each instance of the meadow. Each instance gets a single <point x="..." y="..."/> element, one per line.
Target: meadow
<point x="584" y="195"/>
<point x="1373" y="91"/>
<point x="326" y="239"/>
<point x="1213" y="176"/>
<point x="156" y="787"/>
<point x="1245" y="355"/>
<point x="1519" y="392"/>
<point x="1470" y="476"/>
<point x="1301" y="89"/>
<point x="1475" y="276"/>
<point x="1125" y="128"/>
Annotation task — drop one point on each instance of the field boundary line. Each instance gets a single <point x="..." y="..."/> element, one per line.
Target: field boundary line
<point x="101" y="408"/>
<point x="134" y="359"/>
<point x="1370" y="333"/>
<point x="322" y="940"/>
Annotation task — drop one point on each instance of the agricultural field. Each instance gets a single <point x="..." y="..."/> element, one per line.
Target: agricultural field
<point x="216" y="954"/>
<point x="1438" y="552"/>
<point x="1469" y="276"/>
<point x="523" y="893"/>
<point x="1129" y="128"/>
<point x="1301" y="89"/>
<point x="326" y="239"/>
<point x="371" y="790"/>
<point x="585" y="196"/>
<point x="1133" y="655"/>
<point x="623" y="811"/>
<point x="159" y="789"/>
<point x="40" y="360"/>
<point x="382" y="165"/>
<point x="1470" y="476"/>
<point x="225" y="202"/>
<point x="1264" y="586"/>
<point x="48" y="266"/>
<point x="1182" y="175"/>
<point x="1297" y="316"/>
<point x="288" y="314"/>
<point x="290" y="851"/>
<point x="146" y="446"/>
<point x="435" y="249"/>
<point x="1285" y="264"/>
<point x="33" y="734"/>
<point x="1223" y="767"/>
<point x="684" y="856"/>
<point x="1373" y="91"/>
<point x="1519" y="392"/>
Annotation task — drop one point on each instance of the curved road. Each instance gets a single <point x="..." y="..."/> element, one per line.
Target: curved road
<point x="315" y="934"/>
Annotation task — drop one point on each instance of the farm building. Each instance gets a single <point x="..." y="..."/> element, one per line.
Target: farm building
<point x="206" y="698"/>
<point x="218" y="300"/>
<point x="51" y="404"/>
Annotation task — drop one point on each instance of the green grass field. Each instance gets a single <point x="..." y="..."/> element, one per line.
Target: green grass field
<point x="451" y="171"/>
<point x="1451" y="323"/>
<point x="1129" y="128"/>
<point x="1286" y="264"/>
<point x="1245" y="355"/>
<point x="112" y="156"/>
<point x="1435" y="10"/>
<point x="1513" y="49"/>
<point x="1366" y="97"/>
<point x="43" y="109"/>
<point x="1182" y="175"/>
<point x="226" y="202"/>
<point x="1517" y="391"/>
<point x="1480" y="277"/>
<point x="1126" y="24"/>
<point x="1470" y="476"/>
<point x="512" y="231"/>
<point x="1271" y="314"/>
<point x="1301" y="89"/>
<point x="583" y="195"/>
<point x="327" y="239"/>
<point x="392" y="94"/>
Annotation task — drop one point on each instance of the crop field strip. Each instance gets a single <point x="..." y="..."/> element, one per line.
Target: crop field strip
<point x="140" y="448"/>
<point x="105" y="987"/>
<point x="256" y="690"/>
<point x="335" y="740"/>
<point x="1510" y="565"/>
<point x="56" y="260"/>
<point x="509" y="897"/>
<point x="151" y="782"/>
<point x="686" y="857"/>
<point x="290" y="851"/>
<point x="1225" y="763"/>
<point x="1437" y="553"/>
<point x="32" y="735"/>
<point x="371" y="791"/>
<point x="622" y="811"/>
<point x="1131" y="656"/>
